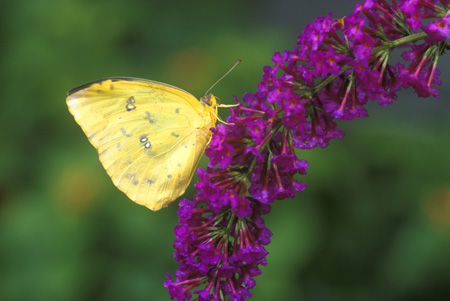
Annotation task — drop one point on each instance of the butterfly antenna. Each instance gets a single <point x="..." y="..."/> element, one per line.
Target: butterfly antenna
<point x="234" y="66"/>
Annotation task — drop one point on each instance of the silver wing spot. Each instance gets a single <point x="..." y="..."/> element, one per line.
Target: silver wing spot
<point x="130" y="104"/>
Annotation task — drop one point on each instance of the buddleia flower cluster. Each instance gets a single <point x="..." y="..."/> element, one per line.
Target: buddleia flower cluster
<point x="337" y="66"/>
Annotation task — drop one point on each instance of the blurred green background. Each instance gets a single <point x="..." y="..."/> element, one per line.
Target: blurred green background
<point x="373" y="223"/>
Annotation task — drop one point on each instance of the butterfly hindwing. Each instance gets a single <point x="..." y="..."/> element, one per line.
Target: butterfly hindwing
<point x="149" y="136"/>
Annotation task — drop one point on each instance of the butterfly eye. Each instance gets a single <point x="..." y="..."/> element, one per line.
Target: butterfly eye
<point x="210" y="100"/>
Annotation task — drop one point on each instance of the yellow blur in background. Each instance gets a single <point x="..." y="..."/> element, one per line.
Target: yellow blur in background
<point x="373" y="223"/>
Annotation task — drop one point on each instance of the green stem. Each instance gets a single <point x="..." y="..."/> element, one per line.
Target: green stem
<point x="230" y="222"/>
<point x="328" y="80"/>
<point x="402" y="41"/>
<point x="250" y="169"/>
<point x="387" y="46"/>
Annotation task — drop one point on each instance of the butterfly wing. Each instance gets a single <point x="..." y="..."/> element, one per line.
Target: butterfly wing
<point x="149" y="135"/>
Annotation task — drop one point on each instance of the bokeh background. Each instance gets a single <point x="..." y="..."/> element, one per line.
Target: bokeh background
<point x="373" y="223"/>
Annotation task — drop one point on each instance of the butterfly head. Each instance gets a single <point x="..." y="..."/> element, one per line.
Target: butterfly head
<point x="210" y="100"/>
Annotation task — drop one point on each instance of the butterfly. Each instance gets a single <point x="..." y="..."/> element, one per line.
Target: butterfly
<point x="149" y="135"/>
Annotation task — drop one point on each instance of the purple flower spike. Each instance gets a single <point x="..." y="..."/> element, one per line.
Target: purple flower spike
<point x="337" y="66"/>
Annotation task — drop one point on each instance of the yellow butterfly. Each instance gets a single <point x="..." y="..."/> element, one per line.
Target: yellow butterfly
<point x="149" y="135"/>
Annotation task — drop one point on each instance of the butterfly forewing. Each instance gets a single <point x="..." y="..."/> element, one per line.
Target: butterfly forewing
<point x="99" y="104"/>
<point x="149" y="136"/>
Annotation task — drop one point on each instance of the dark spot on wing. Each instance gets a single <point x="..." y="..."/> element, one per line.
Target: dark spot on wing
<point x="169" y="176"/>
<point x="149" y="117"/>
<point x="175" y="134"/>
<point x="125" y="133"/>
<point x="150" y="153"/>
<point x="177" y="110"/>
<point x="150" y="181"/>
